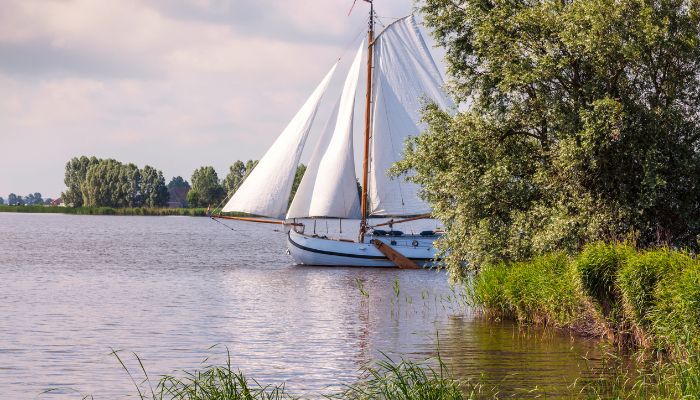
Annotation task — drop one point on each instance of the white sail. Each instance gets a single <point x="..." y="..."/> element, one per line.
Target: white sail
<point x="405" y="75"/>
<point x="334" y="188"/>
<point x="266" y="190"/>
<point x="302" y="198"/>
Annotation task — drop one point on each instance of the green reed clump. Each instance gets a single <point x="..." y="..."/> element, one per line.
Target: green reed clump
<point x="647" y="298"/>
<point x="213" y="382"/>
<point x="382" y="379"/>
<point x="675" y="319"/>
<point x="539" y="291"/>
<point x="405" y="380"/>
<point x="641" y="278"/>
<point x="487" y="290"/>
<point x="596" y="269"/>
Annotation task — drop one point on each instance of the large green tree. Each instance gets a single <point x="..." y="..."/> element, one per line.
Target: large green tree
<point x="581" y="123"/>
<point x="237" y="173"/>
<point x="76" y="170"/>
<point x="206" y="189"/>
<point x="110" y="183"/>
<point x="154" y="193"/>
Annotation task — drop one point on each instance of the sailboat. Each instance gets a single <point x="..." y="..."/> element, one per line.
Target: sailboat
<point x="400" y="76"/>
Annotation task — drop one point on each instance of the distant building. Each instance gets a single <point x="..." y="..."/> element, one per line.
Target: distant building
<point x="58" y="203"/>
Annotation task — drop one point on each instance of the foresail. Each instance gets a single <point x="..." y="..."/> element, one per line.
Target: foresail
<point x="302" y="198"/>
<point x="266" y="190"/>
<point x="405" y="76"/>
<point x="331" y="180"/>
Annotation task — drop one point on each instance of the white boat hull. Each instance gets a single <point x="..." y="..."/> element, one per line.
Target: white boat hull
<point x="315" y="250"/>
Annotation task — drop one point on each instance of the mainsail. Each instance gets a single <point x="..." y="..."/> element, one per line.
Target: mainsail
<point x="266" y="190"/>
<point x="329" y="187"/>
<point x="405" y="75"/>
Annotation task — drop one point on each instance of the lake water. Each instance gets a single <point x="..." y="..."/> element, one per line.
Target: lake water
<point x="168" y="288"/>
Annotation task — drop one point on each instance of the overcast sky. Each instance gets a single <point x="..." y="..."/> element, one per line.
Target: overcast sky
<point x="175" y="84"/>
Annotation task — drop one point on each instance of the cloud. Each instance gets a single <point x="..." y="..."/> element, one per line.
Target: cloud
<point x="172" y="83"/>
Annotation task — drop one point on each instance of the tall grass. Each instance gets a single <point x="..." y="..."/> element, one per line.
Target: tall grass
<point x="647" y="298"/>
<point x="386" y="379"/>
<point x="540" y="291"/>
<point x="383" y="379"/>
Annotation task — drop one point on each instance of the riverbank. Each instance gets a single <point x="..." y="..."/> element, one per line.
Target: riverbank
<point x="646" y="300"/>
<point x="192" y="212"/>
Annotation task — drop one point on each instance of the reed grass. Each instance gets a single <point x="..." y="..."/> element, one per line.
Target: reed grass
<point x="386" y="379"/>
<point x="383" y="379"/>
<point x="645" y="298"/>
<point x="539" y="291"/>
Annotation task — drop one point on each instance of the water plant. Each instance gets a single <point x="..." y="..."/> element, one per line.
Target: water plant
<point x="405" y="380"/>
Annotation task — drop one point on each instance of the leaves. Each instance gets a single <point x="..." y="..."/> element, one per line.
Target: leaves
<point x="582" y="124"/>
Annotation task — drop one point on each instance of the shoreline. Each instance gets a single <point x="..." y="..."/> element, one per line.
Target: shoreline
<point x="141" y="211"/>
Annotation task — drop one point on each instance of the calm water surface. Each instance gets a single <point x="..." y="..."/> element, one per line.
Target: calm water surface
<point x="168" y="288"/>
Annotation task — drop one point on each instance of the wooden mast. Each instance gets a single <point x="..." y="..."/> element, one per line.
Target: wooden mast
<point x="368" y="104"/>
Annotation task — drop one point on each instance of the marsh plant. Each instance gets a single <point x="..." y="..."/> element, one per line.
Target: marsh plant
<point x="381" y="379"/>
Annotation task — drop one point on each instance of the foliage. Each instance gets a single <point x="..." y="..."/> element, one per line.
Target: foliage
<point x="383" y="379"/>
<point x="641" y="275"/>
<point x="154" y="193"/>
<point x="656" y="292"/>
<point x="31" y="199"/>
<point x="539" y="291"/>
<point x="406" y="380"/>
<point x="298" y="175"/>
<point x="236" y="174"/>
<point x="198" y="212"/>
<point x="109" y="183"/>
<point x="206" y="189"/>
<point x="97" y="182"/>
<point x="582" y="125"/>
<point x="177" y="191"/>
<point x="597" y="267"/>
<point x="76" y="172"/>
<point x="14" y="200"/>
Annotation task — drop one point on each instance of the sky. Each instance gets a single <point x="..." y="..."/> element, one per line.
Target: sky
<point x="175" y="84"/>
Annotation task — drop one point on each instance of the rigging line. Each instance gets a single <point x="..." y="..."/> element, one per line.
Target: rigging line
<point x="230" y="227"/>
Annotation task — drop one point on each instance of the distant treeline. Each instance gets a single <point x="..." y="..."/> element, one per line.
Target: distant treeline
<point x="195" y="212"/>
<point x="93" y="182"/>
<point x="30" y="200"/>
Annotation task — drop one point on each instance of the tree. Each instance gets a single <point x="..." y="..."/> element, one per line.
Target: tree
<point x="206" y="189"/>
<point x="13" y="199"/>
<point x="298" y="175"/>
<point x="76" y="171"/>
<point x="2" y="201"/>
<point x="178" y="190"/>
<point x="33" y="199"/>
<point x="109" y="183"/>
<point x="583" y="124"/>
<point x="249" y="165"/>
<point x="154" y="193"/>
<point x="236" y="174"/>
